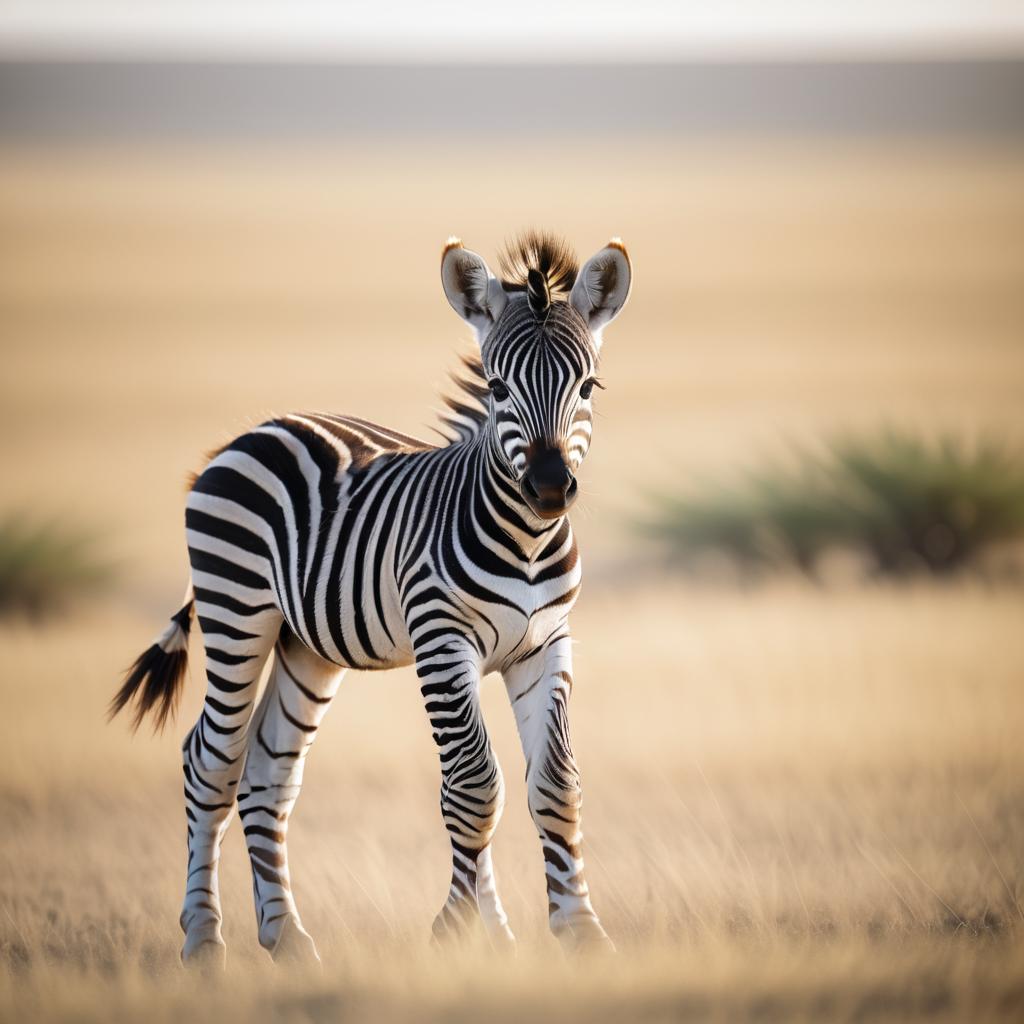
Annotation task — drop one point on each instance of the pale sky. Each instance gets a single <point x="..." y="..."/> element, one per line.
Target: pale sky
<point x="542" y="30"/>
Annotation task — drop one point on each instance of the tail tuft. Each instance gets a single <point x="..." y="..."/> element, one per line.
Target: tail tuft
<point x="154" y="681"/>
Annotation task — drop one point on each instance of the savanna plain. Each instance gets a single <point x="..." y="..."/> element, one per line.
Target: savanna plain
<point x="803" y="801"/>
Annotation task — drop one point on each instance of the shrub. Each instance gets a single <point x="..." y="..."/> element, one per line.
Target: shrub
<point x="904" y="503"/>
<point x="44" y="566"/>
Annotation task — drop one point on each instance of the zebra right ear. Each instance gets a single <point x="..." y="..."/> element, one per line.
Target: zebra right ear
<point x="473" y="291"/>
<point x="602" y="287"/>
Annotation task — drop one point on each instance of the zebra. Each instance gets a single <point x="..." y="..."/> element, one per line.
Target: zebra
<point x="321" y="542"/>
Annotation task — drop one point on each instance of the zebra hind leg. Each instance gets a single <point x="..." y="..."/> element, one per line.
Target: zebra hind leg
<point x="237" y="646"/>
<point x="299" y="691"/>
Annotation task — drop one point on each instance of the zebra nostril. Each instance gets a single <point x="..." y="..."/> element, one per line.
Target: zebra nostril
<point x="551" y="500"/>
<point x="549" y="485"/>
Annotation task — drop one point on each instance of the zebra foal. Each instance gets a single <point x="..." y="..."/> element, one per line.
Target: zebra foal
<point x="324" y="542"/>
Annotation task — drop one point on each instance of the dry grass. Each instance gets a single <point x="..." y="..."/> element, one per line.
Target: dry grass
<point x="801" y="804"/>
<point x="795" y="808"/>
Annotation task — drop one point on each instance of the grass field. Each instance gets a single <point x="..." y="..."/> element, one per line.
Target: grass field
<point x="801" y="803"/>
<point x="794" y="808"/>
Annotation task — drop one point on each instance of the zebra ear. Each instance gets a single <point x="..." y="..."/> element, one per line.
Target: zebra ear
<point x="473" y="291"/>
<point x="602" y="287"/>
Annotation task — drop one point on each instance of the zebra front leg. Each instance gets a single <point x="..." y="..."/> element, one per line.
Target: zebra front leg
<point x="299" y="691"/>
<point x="539" y="689"/>
<point x="237" y="647"/>
<point x="472" y="789"/>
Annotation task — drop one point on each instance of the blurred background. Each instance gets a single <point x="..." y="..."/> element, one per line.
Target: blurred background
<point x="799" y="648"/>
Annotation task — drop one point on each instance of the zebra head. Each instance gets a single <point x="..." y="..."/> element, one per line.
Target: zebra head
<point x="539" y="329"/>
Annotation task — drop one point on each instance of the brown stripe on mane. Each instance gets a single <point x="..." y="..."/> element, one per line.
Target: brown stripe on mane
<point x="547" y="254"/>
<point x="468" y="405"/>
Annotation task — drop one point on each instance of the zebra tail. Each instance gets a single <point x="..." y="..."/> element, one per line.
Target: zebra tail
<point x="155" y="680"/>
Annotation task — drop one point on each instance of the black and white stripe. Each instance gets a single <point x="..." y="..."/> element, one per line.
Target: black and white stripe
<point x="324" y="542"/>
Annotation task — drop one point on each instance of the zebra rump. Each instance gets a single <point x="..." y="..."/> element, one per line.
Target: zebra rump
<point x="155" y="679"/>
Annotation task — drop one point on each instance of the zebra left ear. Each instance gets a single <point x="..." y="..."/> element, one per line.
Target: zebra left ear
<point x="473" y="291"/>
<point x="602" y="287"/>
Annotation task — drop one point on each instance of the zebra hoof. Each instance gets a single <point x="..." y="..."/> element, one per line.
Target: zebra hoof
<point x="294" y="946"/>
<point x="204" y="953"/>
<point x="502" y="941"/>
<point x="585" y="940"/>
<point x="595" y="946"/>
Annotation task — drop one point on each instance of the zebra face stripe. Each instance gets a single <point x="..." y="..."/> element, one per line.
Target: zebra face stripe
<point x="541" y="375"/>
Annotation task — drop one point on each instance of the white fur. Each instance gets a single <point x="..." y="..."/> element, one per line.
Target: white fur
<point x="596" y="303"/>
<point x="480" y="304"/>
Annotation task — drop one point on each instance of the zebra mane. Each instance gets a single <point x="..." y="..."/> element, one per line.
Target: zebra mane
<point x="536" y="262"/>
<point x="544" y="267"/>
<point x="466" y="409"/>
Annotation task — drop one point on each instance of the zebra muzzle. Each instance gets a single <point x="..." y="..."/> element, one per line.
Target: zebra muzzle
<point x="548" y="486"/>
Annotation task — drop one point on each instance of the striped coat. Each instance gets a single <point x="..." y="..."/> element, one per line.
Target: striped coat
<point x="321" y="542"/>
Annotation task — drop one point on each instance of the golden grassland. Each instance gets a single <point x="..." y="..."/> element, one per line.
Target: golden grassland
<point x="780" y="291"/>
<point x="795" y="808"/>
<point x="801" y="803"/>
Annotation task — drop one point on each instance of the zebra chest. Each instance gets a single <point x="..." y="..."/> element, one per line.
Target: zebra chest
<point x="525" y="617"/>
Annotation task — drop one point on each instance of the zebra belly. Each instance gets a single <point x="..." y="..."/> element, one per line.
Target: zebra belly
<point x="353" y="616"/>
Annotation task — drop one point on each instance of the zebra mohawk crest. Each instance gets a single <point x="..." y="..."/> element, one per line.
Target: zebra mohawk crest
<point x="540" y="264"/>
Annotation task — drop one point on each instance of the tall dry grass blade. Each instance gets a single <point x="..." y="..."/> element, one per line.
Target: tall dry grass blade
<point x="991" y="857"/>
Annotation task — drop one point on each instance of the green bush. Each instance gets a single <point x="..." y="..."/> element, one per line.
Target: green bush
<point x="44" y="566"/>
<point x="904" y="503"/>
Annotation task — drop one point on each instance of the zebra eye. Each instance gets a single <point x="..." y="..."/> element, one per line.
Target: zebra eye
<point x="587" y="390"/>
<point x="498" y="389"/>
